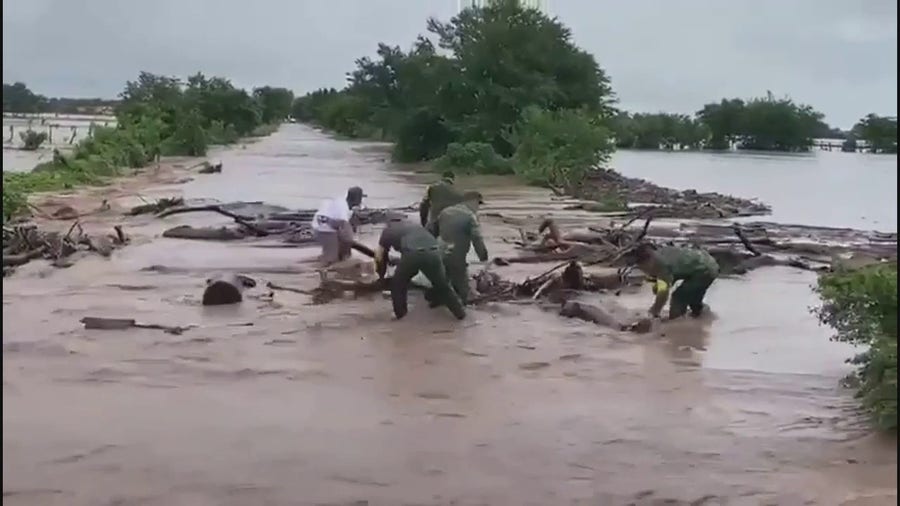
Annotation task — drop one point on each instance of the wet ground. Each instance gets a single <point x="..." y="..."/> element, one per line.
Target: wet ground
<point x="279" y="402"/>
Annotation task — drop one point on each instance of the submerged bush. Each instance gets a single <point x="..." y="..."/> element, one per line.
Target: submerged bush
<point x="32" y="140"/>
<point x="861" y="306"/>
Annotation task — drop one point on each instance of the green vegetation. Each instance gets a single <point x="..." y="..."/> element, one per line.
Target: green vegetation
<point x="879" y="132"/>
<point x="509" y="91"/>
<point x="768" y="124"/>
<point x="655" y="131"/>
<point x="156" y="116"/>
<point x="861" y="306"/>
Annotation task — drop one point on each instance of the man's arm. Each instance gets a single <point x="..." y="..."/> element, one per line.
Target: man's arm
<point x="424" y="207"/>
<point x="381" y="253"/>
<point x="661" y="288"/>
<point x="478" y="240"/>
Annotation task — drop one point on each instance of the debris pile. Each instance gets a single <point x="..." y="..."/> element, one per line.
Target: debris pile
<point x="25" y="242"/>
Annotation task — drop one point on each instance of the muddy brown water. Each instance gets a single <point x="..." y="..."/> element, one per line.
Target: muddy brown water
<point x="278" y="402"/>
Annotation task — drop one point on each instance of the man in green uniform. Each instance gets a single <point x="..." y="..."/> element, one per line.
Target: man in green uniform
<point x="457" y="227"/>
<point x="419" y="251"/>
<point x="696" y="269"/>
<point x="438" y="196"/>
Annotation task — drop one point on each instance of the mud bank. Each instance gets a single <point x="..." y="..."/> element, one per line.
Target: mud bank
<point x="276" y="401"/>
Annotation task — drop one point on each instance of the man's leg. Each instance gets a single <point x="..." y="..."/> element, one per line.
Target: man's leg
<point x="403" y="274"/>
<point x="698" y="293"/>
<point x="433" y="268"/>
<point x="330" y="246"/>
<point x="458" y="274"/>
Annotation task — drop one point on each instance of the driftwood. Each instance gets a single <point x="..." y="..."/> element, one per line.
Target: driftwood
<point x="737" y="248"/>
<point x="240" y="220"/>
<point x="599" y="316"/>
<point x="204" y="233"/>
<point x="210" y="168"/>
<point x="99" y="323"/>
<point x="24" y="243"/>
<point x="156" y="207"/>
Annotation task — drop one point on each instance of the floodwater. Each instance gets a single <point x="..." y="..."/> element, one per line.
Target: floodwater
<point x="60" y="130"/>
<point x="277" y="402"/>
<point x="821" y="188"/>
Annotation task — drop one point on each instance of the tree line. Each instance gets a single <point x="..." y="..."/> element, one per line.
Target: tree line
<point x="504" y="90"/>
<point x="156" y="116"/>
<point x="17" y="98"/>
<point x="766" y="123"/>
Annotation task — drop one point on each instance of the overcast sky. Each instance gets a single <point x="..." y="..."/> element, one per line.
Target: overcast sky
<point x="662" y="55"/>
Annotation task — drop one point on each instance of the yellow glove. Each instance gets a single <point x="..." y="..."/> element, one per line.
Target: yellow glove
<point x="660" y="286"/>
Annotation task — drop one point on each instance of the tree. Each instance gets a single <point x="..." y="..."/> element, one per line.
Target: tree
<point x="497" y="61"/>
<point x="274" y="103"/>
<point x="19" y="99"/>
<point x="879" y="132"/>
<point x="559" y="148"/>
<point x="723" y="121"/>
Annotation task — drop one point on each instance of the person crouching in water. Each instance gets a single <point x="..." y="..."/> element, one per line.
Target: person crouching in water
<point x="457" y="228"/>
<point x="419" y="252"/>
<point x="695" y="268"/>
<point x="333" y="226"/>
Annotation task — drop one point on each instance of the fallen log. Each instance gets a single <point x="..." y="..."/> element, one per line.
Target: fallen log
<point x="240" y="220"/>
<point x="99" y="323"/>
<point x="22" y="258"/>
<point x="204" y="234"/>
<point x="599" y="316"/>
<point x="156" y="207"/>
<point x="226" y="289"/>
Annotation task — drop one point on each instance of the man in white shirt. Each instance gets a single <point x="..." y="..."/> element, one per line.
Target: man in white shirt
<point x="333" y="228"/>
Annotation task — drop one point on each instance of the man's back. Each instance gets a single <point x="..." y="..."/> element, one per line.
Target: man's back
<point x="683" y="262"/>
<point x="442" y="195"/>
<point x="405" y="235"/>
<point x="458" y="227"/>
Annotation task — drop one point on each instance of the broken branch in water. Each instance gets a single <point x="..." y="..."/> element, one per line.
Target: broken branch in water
<point x="240" y="220"/>
<point x="156" y="207"/>
<point x="100" y="323"/>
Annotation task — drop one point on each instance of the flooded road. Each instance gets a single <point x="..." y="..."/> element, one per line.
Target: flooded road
<point x="277" y="402"/>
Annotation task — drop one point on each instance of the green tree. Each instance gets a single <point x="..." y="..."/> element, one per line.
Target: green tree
<point x="724" y="121"/>
<point x="274" y="103"/>
<point x="497" y="61"/>
<point x="879" y="132"/>
<point x="18" y="98"/>
<point x="559" y="148"/>
<point x="778" y="125"/>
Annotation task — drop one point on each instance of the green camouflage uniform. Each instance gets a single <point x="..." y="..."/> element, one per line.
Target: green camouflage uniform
<point x="438" y="197"/>
<point x="696" y="268"/>
<point x="419" y="251"/>
<point x="457" y="227"/>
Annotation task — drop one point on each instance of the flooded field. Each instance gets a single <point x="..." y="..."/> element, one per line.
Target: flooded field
<point x="274" y="401"/>
<point x="63" y="131"/>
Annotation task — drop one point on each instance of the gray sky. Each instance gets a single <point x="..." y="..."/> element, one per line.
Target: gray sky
<point x="662" y="55"/>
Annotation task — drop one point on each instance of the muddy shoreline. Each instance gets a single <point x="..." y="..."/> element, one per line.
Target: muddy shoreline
<point x="276" y="401"/>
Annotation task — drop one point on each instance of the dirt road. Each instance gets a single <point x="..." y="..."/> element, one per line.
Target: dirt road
<point x="278" y="402"/>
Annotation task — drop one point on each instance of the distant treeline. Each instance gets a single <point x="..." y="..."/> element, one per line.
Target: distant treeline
<point x="156" y="116"/>
<point x="766" y="124"/>
<point x="18" y="99"/>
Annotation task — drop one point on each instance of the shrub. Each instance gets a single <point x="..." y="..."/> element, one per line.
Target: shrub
<point x="558" y="148"/>
<point x="32" y="140"/>
<point x="861" y="306"/>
